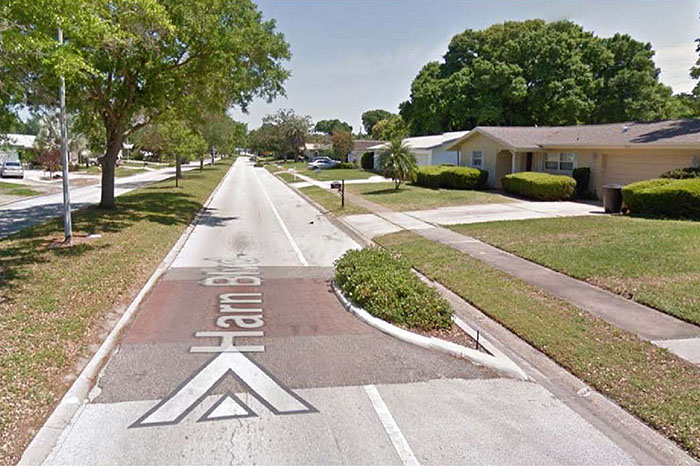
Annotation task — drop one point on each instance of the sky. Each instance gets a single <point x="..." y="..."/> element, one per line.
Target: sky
<point x="355" y="55"/>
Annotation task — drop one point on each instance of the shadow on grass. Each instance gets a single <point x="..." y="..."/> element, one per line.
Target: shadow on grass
<point x="31" y="246"/>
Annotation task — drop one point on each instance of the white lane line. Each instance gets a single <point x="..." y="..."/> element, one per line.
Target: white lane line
<point x="392" y="429"/>
<point x="300" y="256"/>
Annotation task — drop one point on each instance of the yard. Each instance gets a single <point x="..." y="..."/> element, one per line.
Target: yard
<point x="646" y="380"/>
<point x="654" y="262"/>
<point x="330" y="201"/>
<point x="328" y="175"/>
<point x="411" y="197"/>
<point x="56" y="300"/>
<point x="19" y="190"/>
<point x="119" y="172"/>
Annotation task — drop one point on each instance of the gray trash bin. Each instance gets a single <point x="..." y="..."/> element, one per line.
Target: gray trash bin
<point x="612" y="198"/>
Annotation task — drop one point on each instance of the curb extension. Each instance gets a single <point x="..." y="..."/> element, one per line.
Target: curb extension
<point x="504" y="367"/>
<point x="46" y="439"/>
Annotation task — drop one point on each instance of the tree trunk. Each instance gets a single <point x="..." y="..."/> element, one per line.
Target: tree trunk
<point x="178" y="171"/>
<point x="213" y="153"/>
<point x="201" y="164"/>
<point x="115" y="139"/>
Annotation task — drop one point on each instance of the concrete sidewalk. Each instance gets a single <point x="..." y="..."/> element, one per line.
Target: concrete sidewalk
<point x="680" y="337"/>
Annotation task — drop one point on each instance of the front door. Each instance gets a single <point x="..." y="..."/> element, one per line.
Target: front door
<point x="528" y="163"/>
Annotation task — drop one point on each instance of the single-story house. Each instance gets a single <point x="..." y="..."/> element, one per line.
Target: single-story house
<point x="429" y="150"/>
<point x="360" y="146"/>
<point x="11" y="145"/>
<point x="618" y="153"/>
<point x="312" y="149"/>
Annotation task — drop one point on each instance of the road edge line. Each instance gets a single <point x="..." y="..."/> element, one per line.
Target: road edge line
<point x="47" y="437"/>
<point x="504" y="367"/>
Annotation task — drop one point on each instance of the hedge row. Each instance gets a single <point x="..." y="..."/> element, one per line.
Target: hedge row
<point x="540" y="186"/>
<point x="677" y="198"/>
<point x="451" y="177"/>
<point x="383" y="285"/>
<point x="344" y="165"/>
<point x="682" y="173"/>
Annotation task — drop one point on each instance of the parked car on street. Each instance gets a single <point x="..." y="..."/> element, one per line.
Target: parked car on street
<point x="9" y="169"/>
<point x="322" y="163"/>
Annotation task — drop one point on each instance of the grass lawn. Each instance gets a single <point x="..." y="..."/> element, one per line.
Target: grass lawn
<point x="13" y="189"/>
<point x="56" y="299"/>
<point x="329" y="175"/>
<point x="410" y="197"/>
<point x="119" y="172"/>
<point x="654" y="262"/>
<point x="648" y="381"/>
<point x="330" y="200"/>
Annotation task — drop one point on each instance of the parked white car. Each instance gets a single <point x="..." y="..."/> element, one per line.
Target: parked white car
<point x="322" y="163"/>
<point x="9" y="169"/>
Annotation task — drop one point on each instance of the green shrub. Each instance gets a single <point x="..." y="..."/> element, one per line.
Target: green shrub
<point x="582" y="175"/>
<point x="540" y="186"/>
<point x="664" y="197"/>
<point x="344" y="165"/>
<point x="448" y="177"/>
<point x="682" y="173"/>
<point x="383" y="285"/>
<point x="367" y="161"/>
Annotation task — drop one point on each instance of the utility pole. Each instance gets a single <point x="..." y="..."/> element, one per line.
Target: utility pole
<point x="67" y="223"/>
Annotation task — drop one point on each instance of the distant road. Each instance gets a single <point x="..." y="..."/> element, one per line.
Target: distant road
<point x="21" y="214"/>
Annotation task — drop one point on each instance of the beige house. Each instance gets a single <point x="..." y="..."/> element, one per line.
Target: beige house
<point x="618" y="153"/>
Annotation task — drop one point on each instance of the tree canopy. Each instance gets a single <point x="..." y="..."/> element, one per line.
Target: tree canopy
<point x="537" y="73"/>
<point x="126" y="62"/>
<point x="283" y="133"/>
<point x="330" y="126"/>
<point x="390" y="128"/>
<point x="343" y="143"/>
<point x="372" y="117"/>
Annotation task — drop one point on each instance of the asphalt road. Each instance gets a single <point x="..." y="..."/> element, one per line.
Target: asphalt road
<point x="242" y="355"/>
<point x="21" y="214"/>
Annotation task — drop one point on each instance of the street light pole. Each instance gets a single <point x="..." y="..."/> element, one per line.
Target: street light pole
<point x="67" y="223"/>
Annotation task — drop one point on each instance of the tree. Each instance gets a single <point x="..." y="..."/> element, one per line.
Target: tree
<point x="398" y="163"/>
<point x="128" y="62"/>
<point x="390" y="129"/>
<point x="372" y="117"/>
<point x="221" y="134"/>
<point x="331" y="126"/>
<point x="292" y="131"/>
<point x="173" y="139"/>
<point x="266" y="139"/>
<point x="536" y="73"/>
<point x="50" y="159"/>
<point x="343" y="144"/>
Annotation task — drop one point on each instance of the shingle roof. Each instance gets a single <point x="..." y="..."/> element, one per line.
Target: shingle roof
<point x="21" y="140"/>
<point x="660" y="133"/>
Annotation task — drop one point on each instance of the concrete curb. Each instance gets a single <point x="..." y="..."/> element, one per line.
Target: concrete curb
<point x="504" y="367"/>
<point x="46" y="439"/>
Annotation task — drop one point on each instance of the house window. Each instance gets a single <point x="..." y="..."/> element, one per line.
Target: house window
<point x="562" y="162"/>
<point x="476" y="158"/>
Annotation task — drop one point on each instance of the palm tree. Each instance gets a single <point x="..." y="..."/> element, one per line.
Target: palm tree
<point x="398" y="162"/>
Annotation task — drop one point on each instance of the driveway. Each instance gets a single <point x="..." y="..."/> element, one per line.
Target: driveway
<point x="373" y="225"/>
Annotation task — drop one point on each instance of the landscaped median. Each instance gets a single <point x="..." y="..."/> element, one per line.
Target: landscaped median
<point x="57" y="301"/>
<point x="650" y="382"/>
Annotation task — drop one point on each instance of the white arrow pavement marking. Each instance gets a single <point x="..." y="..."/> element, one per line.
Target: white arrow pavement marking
<point x="227" y="407"/>
<point x="277" y="399"/>
<point x="391" y="427"/>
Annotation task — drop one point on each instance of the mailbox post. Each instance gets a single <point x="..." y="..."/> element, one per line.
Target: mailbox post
<point x="340" y="186"/>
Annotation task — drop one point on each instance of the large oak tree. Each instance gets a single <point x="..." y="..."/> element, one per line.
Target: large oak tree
<point x="128" y="61"/>
<point x="536" y="73"/>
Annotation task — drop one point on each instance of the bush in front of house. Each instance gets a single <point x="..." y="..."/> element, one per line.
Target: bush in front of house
<point x="367" y="161"/>
<point x="344" y="165"/>
<point x="539" y="186"/>
<point x="682" y="173"/>
<point x="675" y="198"/>
<point x="450" y="177"/>
<point x="384" y="285"/>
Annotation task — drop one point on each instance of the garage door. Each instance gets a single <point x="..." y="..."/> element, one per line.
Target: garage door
<point x="627" y="168"/>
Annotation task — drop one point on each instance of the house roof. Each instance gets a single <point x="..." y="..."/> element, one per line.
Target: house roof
<point x="427" y="142"/>
<point x="25" y="141"/>
<point x="668" y="133"/>
<point x="364" y="144"/>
